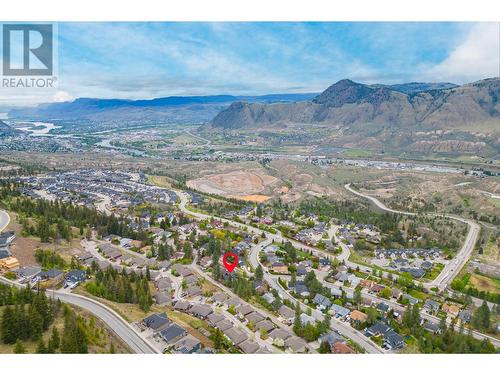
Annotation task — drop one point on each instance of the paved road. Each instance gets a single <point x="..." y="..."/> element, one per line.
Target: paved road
<point x="114" y="321"/>
<point x="452" y="268"/>
<point x="344" y="328"/>
<point x="273" y="318"/>
<point x="4" y="220"/>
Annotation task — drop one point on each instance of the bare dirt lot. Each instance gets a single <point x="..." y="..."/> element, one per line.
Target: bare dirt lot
<point x="241" y="184"/>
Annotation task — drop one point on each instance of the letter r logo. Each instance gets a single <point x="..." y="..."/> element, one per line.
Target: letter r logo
<point x="27" y="50"/>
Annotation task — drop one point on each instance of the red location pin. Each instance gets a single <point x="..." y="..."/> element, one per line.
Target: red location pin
<point x="230" y="266"/>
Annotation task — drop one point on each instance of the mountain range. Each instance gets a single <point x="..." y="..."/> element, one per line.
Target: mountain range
<point x="183" y="109"/>
<point x="448" y="118"/>
<point x="350" y="103"/>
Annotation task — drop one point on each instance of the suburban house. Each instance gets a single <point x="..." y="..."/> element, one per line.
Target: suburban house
<point x="322" y="302"/>
<point x="287" y="314"/>
<point x="156" y="322"/>
<point x="342" y="348"/>
<point x="432" y="328"/>
<point x="163" y="298"/>
<point x="172" y="333"/>
<point x="187" y="345"/>
<point x="358" y="316"/>
<point x="338" y="311"/>
<point x="28" y="273"/>
<point x="74" y="277"/>
<point x="451" y="310"/>
<point x="248" y="347"/>
<point x="201" y="310"/>
<point x="431" y="306"/>
<point x="465" y="316"/>
<point x="235" y="335"/>
<point x="53" y="275"/>
<point x="279" y="267"/>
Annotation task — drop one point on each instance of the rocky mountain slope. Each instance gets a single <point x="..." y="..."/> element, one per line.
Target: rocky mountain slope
<point x="350" y="103"/>
<point x="376" y="116"/>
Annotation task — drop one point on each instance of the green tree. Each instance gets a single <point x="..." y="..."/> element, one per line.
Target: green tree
<point x="19" y="347"/>
<point x="259" y="273"/>
<point x="324" y="347"/>
<point x="481" y="318"/>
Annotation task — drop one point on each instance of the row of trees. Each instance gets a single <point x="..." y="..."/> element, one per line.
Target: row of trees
<point x="448" y="341"/>
<point x="52" y="220"/>
<point x="27" y="320"/>
<point x="122" y="288"/>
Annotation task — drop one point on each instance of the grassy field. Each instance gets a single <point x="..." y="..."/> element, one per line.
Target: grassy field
<point x="161" y="181"/>
<point x="357" y="153"/>
<point x="484" y="283"/>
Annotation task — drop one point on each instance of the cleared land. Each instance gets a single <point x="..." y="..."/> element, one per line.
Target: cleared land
<point x="239" y="184"/>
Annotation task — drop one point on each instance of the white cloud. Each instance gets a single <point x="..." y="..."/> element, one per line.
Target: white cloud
<point x="477" y="57"/>
<point x="62" y="96"/>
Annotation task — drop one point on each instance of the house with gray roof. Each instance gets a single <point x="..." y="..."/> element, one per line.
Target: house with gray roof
<point x="431" y="306"/>
<point x="321" y="301"/>
<point x="265" y="325"/>
<point x="305" y="319"/>
<point x="172" y="333"/>
<point x="214" y="318"/>
<point x="201" y="310"/>
<point x="182" y="305"/>
<point x="156" y="322"/>
<point x="279" y="334"/>
<point x="248" y="347"/>
<point x="224" y="325"/>
<point x="331" y="338"/>
<point x="254" y="317"/>
<point x="339" y="311"/>
<point x="236" y="335"/>
<point x="296" y="344"/>
<point x="286" y="313"/>
<point x="187" y="345"/>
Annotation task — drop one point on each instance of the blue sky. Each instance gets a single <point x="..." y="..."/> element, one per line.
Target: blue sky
<point x="145" y="60"/>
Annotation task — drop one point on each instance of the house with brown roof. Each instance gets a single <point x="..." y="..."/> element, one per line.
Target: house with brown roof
<point x="279" y="267"/>
<point x="342" y="348"/>
<point x="451" y="310"/>
<point x="358" y="316"/>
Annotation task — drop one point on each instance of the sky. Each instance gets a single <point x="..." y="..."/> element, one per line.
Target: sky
<point x="147" y="60"/>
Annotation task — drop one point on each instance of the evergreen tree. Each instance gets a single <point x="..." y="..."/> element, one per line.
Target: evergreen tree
<point x="9" y="334"/>
<point x="259" y="273"/>
<point x="19" y="347"/>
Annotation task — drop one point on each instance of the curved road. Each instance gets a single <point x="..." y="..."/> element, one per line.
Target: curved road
<point x="452" y="268"/>
<point x="4" y="220"/>
<point x="344" y="329"/>
<point x="441" y="281"/>
<point x="114" y="321"/>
